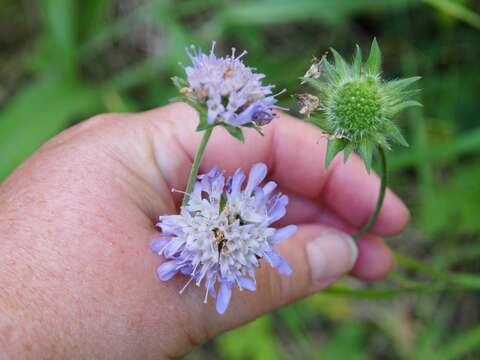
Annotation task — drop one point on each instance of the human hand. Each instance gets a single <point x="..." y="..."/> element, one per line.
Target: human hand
<point x="77" y="276"/>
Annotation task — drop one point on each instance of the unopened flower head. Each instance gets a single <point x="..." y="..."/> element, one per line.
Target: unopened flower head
<point x="357" y="106"/>
<point x="223" y="233"/>
<point x="231" y="92"/>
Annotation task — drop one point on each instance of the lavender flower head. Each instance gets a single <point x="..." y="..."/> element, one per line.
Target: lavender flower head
<point x="222" y="234"/>
<point x="232" y="92"/>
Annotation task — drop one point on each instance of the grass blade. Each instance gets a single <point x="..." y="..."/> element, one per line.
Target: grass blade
<point x="38" y="113"/>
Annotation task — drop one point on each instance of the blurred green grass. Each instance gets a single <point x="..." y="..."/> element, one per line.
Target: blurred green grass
<point x="62" y="61"/>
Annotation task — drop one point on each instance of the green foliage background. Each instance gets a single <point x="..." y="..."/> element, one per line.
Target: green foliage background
<point x="62" y="61"/>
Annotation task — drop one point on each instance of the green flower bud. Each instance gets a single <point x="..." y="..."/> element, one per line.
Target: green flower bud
<point x="357" y="106"/>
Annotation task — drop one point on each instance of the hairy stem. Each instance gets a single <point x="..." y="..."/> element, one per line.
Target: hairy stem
<point x="196" y="164"/>
<point x="381" y="196"/>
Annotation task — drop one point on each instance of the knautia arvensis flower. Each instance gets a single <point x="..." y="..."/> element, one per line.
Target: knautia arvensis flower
<point x="226" y="92"/>
<point x="354" y="105"/>
<point x="223" y="233"/>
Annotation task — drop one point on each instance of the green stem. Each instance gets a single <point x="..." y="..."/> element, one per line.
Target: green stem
<point x="383" y="186"/>
<point x="196" y="164"/>
<point x="379" y="293"/>
<point x="462" y="280"/>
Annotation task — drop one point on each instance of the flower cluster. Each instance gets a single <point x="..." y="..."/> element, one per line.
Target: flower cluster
<point x="354" y="105"/>
<point x="232" y="93"/>
<point x="223" y="232"/>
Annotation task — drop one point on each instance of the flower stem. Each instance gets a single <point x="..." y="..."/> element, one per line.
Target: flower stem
<point x="461" y="280"/>
<point x="196" y="164"/>
<point x="381" y="196"/>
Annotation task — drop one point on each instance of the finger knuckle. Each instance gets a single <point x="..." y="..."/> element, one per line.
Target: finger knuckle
<point x="99" y="120"/>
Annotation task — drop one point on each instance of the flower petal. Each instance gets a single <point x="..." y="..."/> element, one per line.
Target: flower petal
<point x="278" y="262"/>
<point x="247" y="284"/>
<point x="186" y="270"/>
<point x="278" y="209"/>
<point x="173" y="247"/>
<point x="284" y="233"/>
<point x="224" y="296"/>
<point x="236" y="183"/>
<point x="157" y="244"/>
<point x="257" y="174"/>
<point x="167" y="270"/>
<point x="260" y="198"/>
<point x="269" y="187"/>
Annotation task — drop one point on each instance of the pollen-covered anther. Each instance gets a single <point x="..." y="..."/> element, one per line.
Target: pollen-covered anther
<point x="186" y="91"/>
<point x="220" y="241"/>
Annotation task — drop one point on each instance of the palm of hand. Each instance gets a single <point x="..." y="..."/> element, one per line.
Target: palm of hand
<point x="97" y="191"/>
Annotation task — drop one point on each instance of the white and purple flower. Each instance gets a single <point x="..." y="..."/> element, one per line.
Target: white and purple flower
<point x="232" y="92"/>
<point x="222" y="234"/>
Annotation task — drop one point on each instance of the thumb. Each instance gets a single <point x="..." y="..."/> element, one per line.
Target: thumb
<point x="318" y="255"/>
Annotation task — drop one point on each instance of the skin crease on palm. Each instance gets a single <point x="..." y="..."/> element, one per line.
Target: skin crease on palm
<point x="76" y="273"/>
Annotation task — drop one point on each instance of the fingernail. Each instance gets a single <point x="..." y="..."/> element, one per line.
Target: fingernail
<point x="330" y="255"/>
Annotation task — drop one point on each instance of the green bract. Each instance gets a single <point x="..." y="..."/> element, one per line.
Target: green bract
<point x="356" y="105"/>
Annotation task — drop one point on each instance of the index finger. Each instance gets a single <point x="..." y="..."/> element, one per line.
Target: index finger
<point x="294" y="152"/>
